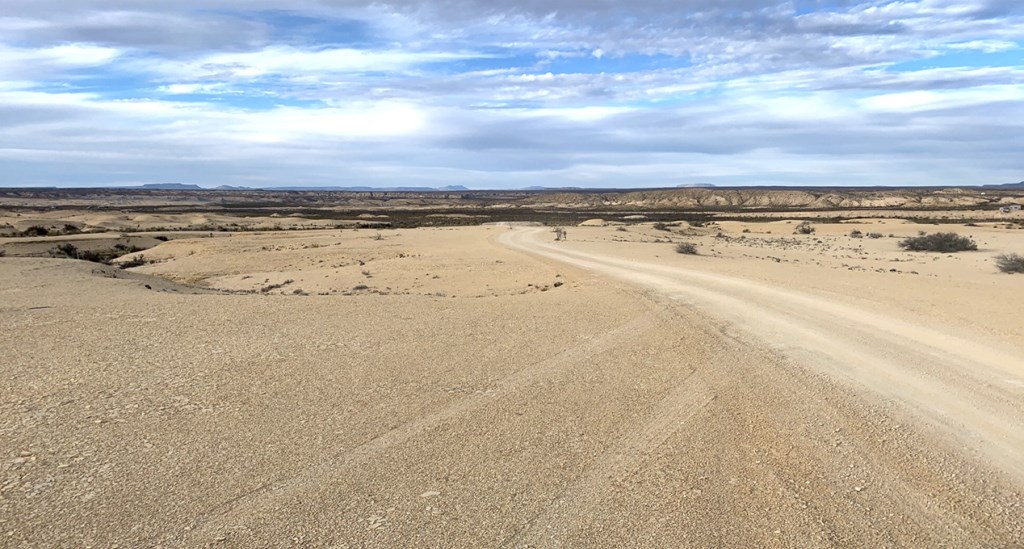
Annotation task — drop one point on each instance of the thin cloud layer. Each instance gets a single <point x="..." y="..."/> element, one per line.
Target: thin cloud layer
<point x="508" y="94"/>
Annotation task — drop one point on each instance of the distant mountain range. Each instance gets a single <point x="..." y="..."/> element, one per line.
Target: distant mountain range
<point x="327" y="188"/>
<point x="1005" y="186"/>
<point x="449" y="188"/>
<point x="169" y="187"/>
<point x="191" y="187"/>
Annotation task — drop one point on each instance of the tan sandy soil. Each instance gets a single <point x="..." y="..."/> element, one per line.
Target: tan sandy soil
<point x="990" y="215"/>
<point x="649" y="399"/>
<point x="963" y="288"/>
<point x="444" y="262"/>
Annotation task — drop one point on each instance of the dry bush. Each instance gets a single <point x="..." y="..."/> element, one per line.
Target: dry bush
<point x="1010" y="263"/>
<point x="804" y="228"/>
<point x="687" y="248"/>
<point x="35" y="230"/>
<point x="939" y="242"/>
<point x="136" y="261"/>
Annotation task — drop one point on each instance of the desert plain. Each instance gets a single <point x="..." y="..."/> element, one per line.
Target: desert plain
<point x="441" y="372"/>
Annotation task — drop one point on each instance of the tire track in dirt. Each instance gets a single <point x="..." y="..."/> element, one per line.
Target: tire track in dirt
<point x="207" y="523"/>
<point x="624" y="457"/>
<point x="969" y="391"/>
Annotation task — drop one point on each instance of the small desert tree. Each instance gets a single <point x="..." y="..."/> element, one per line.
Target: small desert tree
<point x="559" y="233"/>
<point x="804" y="228"/>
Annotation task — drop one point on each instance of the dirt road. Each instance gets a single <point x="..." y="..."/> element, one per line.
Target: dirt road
<point x="964" y="399"/>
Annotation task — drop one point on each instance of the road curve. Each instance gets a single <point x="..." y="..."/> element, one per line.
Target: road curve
<point x="969" y="396"/>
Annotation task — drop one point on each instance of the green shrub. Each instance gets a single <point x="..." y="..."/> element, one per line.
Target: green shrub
<point x="856" y="234"/>
<point x="939" y="242"/>
<point x="1010" y="263"/>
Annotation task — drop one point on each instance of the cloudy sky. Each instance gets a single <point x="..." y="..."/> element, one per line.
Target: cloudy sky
<point x="499" y="93"/>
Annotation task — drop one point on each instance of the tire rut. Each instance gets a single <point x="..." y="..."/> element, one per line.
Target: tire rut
<point x="245" y="503"/>
<point x="948" y="381"/>
<point x="622" y="459"/>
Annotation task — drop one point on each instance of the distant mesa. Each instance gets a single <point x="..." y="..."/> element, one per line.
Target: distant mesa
<point x="535" y="188"/>
<point x="171" y="187"/>
<point x="315" y="188"/>
<point x="326" y="188"/>
<point x="1005" y="186"/>
<point x="370" y="188"/>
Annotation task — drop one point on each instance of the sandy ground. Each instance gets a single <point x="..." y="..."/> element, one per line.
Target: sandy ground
<point x="490" y="387"/>
<point x="1014" y="217"/>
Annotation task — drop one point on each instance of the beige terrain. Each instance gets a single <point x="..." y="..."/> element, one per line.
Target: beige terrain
<point x="750" y="198"/>
<point x="490" y="387"/>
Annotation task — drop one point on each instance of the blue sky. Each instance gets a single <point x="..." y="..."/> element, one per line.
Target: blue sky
<point x="502" y="94"/>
